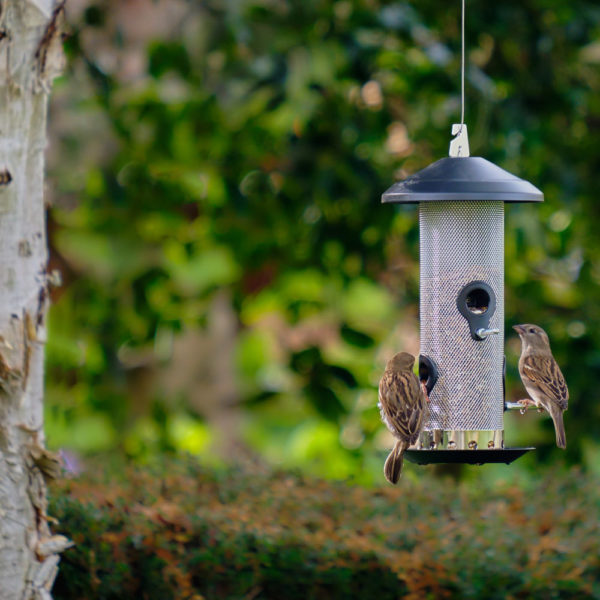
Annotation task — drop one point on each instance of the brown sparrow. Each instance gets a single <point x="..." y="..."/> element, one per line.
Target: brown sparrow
<point x="542" y="377"/>
<point x="403" y="407"/>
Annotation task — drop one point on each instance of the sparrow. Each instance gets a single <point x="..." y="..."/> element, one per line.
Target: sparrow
<point x="403" y="407"/>
<point x="542" y="377"/>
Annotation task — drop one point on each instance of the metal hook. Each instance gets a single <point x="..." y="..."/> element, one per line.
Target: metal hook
<point x="459" y="146"/>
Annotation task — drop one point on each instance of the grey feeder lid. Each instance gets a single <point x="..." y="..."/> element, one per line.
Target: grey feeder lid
<point x="462" y="178"/>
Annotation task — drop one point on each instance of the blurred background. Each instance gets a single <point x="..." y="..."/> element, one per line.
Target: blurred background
<point x="232" y="286"/>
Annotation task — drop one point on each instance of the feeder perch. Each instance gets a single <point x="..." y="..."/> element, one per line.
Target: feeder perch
<point x="461" y="222"/>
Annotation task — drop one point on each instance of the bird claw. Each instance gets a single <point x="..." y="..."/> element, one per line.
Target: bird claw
<point x="424" y="388"/>
<point x="525" y="403"/>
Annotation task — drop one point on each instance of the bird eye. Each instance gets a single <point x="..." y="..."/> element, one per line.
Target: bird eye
<point x="531" y="330"/>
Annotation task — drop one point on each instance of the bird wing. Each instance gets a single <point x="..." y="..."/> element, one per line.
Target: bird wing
<point x="544" y="372"/>
<point x="402" y="404"/>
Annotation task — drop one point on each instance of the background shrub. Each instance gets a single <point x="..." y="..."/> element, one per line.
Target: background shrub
<point x="181" y="531"/>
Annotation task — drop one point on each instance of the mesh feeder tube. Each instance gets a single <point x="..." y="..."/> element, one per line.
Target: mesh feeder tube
<point x="461" y="225"/>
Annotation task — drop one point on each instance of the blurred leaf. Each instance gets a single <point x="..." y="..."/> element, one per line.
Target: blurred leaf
<point x="209" y="268"/>
<point x="356" y="338"/>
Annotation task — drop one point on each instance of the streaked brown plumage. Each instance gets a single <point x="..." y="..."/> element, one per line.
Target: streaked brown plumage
<point x="403" y="408"/>
<point x="542" y="377"/>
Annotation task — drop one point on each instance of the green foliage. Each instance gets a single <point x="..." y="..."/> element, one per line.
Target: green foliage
<point x="248" y="152"/>
<point x="183" y="532"/>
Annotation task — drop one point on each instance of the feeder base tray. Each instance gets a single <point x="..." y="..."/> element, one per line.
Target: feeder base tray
<point x="469" y="457"/>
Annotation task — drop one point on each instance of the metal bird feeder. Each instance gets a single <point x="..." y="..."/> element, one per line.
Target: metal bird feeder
<point x="461" y="221"/>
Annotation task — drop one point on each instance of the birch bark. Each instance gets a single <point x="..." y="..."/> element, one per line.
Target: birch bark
<point x="30" y="56"/>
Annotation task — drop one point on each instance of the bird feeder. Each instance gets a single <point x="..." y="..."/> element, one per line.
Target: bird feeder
<point x="461" y="222"/>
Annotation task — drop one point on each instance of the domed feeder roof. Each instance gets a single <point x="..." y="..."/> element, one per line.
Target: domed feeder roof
<point x="462" y="178"/>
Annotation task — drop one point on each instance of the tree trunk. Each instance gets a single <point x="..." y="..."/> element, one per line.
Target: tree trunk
<point x="30" y="56"/>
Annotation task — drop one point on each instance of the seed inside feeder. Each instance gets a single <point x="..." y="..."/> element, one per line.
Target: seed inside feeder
<point x="478" y="301"/>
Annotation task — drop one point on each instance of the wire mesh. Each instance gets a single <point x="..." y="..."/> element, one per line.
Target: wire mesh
<point x="461" y="242"/>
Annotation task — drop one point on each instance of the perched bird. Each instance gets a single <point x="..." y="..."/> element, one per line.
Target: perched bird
<point x="542" y="377"/>
<point x="403" y="407"/>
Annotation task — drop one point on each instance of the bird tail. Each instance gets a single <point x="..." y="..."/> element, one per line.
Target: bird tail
<point x="393" y="464"/>
<point x="559" y="426"/>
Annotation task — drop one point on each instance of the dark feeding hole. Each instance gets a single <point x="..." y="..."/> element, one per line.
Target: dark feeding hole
<point x="478" y="301"/>
<point x="428" y="373"/>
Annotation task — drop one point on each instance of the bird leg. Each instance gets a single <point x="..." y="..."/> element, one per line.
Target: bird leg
<point x="525" y="403"/>
<point x="424" y="388"/>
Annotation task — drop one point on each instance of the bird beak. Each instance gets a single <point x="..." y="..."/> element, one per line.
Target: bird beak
<point x="519" y="329"/>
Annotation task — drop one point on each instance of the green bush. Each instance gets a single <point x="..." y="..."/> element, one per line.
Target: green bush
<point x="239" y="154"/>
<point x="180" y="531"/>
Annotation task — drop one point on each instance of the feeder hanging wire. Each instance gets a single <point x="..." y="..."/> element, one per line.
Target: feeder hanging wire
<point x="462" y="69"/>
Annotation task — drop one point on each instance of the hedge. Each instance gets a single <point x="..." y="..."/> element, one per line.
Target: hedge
<point x="179" y="531"/>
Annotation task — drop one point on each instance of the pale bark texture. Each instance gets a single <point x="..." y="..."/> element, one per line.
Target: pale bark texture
<point x="30" y="56"/>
